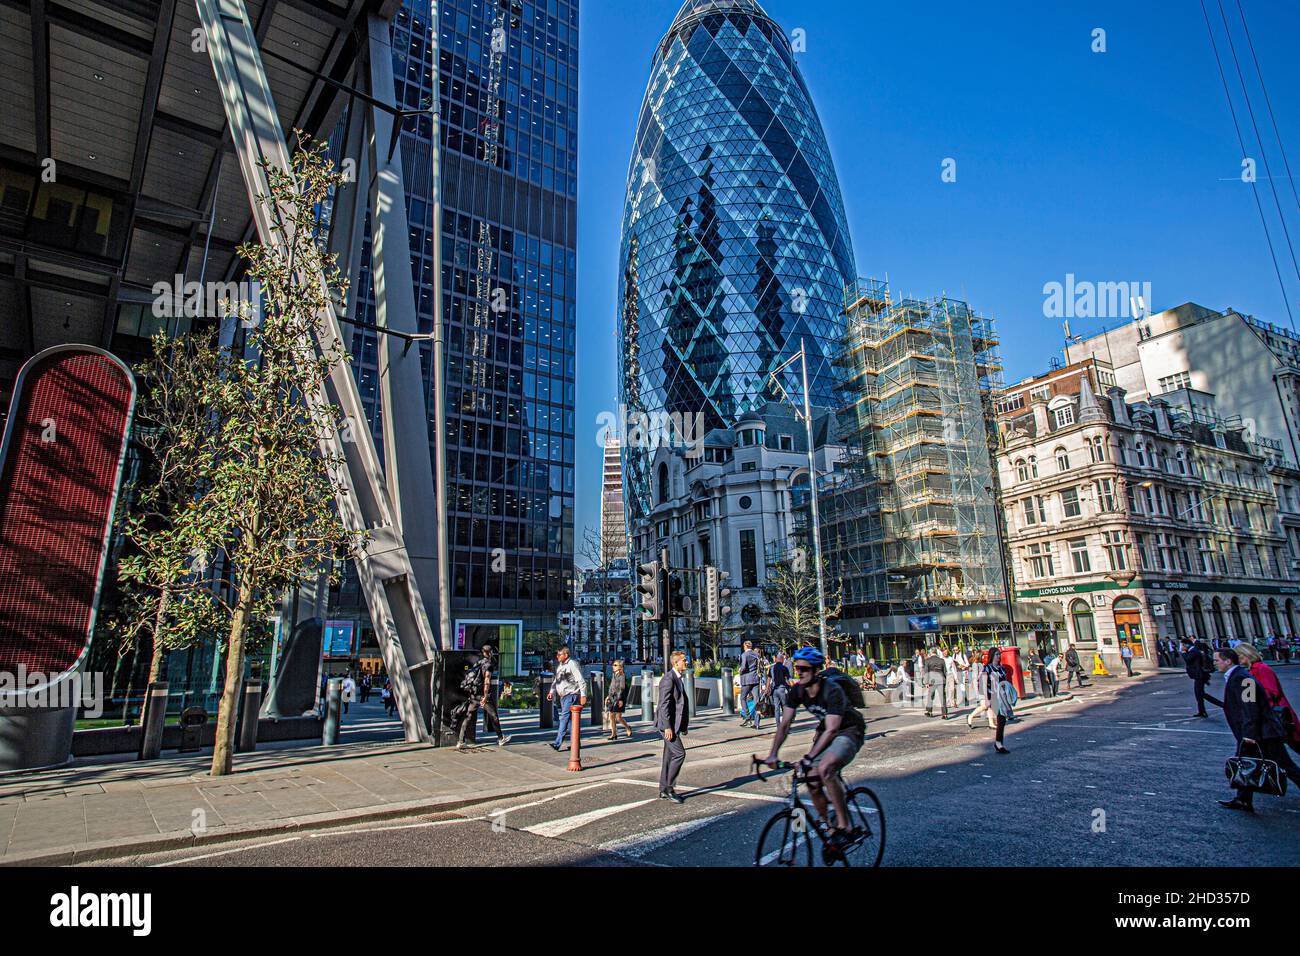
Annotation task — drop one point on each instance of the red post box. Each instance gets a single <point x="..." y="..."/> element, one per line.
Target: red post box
<point x="1016" y="673"/>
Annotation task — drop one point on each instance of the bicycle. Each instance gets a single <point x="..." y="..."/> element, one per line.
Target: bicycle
<point x="788" y="829"/>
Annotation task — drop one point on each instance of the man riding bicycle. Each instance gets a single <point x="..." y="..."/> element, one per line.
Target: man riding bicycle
<point x="839" y="737"/>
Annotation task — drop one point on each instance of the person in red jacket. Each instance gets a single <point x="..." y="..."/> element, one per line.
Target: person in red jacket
<point x="1274" y="697"/>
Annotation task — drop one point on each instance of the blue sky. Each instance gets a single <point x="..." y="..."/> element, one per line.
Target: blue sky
<point x="1114" y="166"/>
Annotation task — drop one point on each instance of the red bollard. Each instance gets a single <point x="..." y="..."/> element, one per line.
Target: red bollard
<point x="575" y="743"/>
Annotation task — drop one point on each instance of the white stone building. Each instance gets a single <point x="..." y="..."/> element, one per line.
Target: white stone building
<point x="732" y="505"/>
<point x="1145" y="520"/>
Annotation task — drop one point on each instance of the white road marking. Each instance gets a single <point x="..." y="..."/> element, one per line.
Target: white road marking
<point x="707" y="791"/>
<point x="791" y="845"/>
<point x="554" y="828"/>
<point x="238" y="849"/>
<point x="497" y="811"/>
<point x="638" y="846"/>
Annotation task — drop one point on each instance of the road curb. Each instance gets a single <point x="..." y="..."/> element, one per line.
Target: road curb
<point x="186" y="840"/>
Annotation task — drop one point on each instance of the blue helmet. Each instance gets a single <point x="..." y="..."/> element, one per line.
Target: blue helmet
<point x="809" y="655"/>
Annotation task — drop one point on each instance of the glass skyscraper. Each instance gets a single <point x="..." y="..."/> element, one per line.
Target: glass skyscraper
<point x="735" y="246"/>
<point x="510" y="374"/>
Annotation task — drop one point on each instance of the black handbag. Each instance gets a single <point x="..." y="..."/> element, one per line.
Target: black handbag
<point x="1255" y="773"/>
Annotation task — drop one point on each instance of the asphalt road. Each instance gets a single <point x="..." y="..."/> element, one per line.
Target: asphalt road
<point x="1121" y="776"/>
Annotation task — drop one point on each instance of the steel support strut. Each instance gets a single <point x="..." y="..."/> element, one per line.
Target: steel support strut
<point x="385" y="571"/>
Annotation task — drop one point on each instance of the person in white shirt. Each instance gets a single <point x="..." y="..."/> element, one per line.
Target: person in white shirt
<point x="949" y="677"/>
<point x="569" y="688"/>
<point x="1053" y="667"/>
<point x="349" y="691"/>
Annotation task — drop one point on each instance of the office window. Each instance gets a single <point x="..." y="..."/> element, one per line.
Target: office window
<point x="1171" y="382"/>
<point x="1116" y="550"/>
<point x="1070" y="503"/>
<point x="748" y="560"/>
<point x="1079" y="559"/>
<point x="1040" y="560"/>
<point x="1105" y="489"/>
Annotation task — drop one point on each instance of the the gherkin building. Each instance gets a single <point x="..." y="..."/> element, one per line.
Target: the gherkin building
<point x="734" y="245"/>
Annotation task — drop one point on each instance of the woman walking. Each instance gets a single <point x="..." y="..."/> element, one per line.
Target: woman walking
<point x="1275" y="698"/>
<point x="616" y="702"/>
<point x="997" y="698"/>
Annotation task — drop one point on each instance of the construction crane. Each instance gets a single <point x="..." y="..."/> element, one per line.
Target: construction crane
<point x="508" y="11"/>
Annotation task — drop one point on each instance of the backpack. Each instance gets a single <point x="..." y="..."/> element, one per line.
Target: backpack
<point x="847" y="684"/>
<point x="472" y="682"/>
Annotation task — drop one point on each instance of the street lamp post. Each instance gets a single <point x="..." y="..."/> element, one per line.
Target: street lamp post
<point x="998" y="514"/>
<point x="806" y="416"/>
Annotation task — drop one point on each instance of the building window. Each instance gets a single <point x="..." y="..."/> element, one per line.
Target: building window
<point x="1079" y="559"/>
<point x="785" y="442"/>
<point x="1062" y="460"/>
<point x="748" y="560"/>
<point x="1116" y="550"/>
<point x="1070" y="502"/>
<point x="1085" y="630"/>
<point x="1097" y="448"/>
<point x="1064" y="416"/>
<point x="1105" y="494"/>
<point x="1022" y="470"/>
<point x="1034" y="510"/>
<point x="1040" y="560"/>
<point x="1171" y="382"/>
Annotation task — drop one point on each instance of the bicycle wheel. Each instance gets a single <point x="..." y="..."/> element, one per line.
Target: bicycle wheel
<point x="779" y="843"/>
<point x="867" y="820"/>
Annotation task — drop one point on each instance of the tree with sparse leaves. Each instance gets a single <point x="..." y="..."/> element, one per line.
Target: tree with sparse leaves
<point x="178" y="434"/>
<point x="790" y="591"/>
<point x="263" y="519"/>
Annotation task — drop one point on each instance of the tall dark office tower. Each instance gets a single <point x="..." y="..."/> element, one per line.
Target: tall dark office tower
<point x="735" y="247"/>
<point x="509" y="235"/>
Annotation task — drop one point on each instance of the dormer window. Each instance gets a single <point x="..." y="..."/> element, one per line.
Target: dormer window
<point x="1064" y="416"/>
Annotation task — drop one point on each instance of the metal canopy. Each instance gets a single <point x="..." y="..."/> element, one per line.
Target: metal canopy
<point x="120" y="94"/>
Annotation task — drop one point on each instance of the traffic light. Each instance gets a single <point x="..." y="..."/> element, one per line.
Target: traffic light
<point x="678" y="600"/>
<point x="649" y="598"/>
<point x="715" y="595"/>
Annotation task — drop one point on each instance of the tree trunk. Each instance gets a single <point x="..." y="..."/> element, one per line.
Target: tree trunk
<point x="157" y="651"/>
<point x="228" y="711"/>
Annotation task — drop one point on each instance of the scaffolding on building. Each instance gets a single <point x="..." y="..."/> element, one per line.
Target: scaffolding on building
<point x="909" y="518"/>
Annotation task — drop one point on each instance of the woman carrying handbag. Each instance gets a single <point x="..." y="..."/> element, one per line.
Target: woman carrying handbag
<point x="616" y="702"/>
<point x="999" y="694"/>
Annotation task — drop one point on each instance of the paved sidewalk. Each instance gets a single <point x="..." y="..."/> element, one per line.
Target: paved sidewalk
<point x="97" y="810"/>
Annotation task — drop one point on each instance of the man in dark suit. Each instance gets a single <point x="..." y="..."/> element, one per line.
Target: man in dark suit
<point x="1198" y="669"/>
<point x="1244" y="709"/>
<point x="672" y="719"/>
<point x="750" y="675"/>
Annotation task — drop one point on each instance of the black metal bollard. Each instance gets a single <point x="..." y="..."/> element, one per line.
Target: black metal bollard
<point x="333" y="709"/>
<point x="155" y="719"/>
<point x="727" y="692"/>
<point x="545" y="708"/>
<point x="597" y="700"/>
<point x="247" y="738"/>
<point x="690" y="692"/>
<point x="647" y="696"/>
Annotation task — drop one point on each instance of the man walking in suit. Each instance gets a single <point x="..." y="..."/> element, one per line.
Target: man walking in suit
<point x="672" y="719"/>
<point x="1073" y="668"/>
<point x="1246" y="713"/>
<point x="1198" y="669"/>
<point x="749" y="678"/>
<point x="936" y="673"/>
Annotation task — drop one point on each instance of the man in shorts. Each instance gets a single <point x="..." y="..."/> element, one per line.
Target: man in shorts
<point x="840" y="733"/>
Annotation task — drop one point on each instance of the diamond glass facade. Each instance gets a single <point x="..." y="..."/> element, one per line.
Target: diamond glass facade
<point x="510" y="371"/>
<point x="735" y="246"/>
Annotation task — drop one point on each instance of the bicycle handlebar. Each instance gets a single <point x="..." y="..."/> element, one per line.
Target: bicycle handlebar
<point x="757" y="763"/>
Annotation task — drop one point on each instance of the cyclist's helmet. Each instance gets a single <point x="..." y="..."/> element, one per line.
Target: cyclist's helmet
<point x="809" y="655"/>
